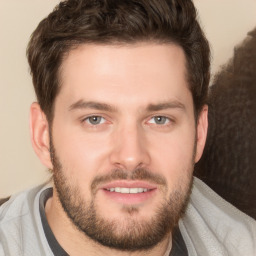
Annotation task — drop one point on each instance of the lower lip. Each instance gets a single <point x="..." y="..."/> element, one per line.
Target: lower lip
<point x="129" y="198"/>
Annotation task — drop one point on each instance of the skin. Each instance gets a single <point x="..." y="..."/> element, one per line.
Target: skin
<point x="137" y="83"/>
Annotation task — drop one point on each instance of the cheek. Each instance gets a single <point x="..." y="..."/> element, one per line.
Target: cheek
<point x="81" y="161"/>
<point x="81" y="155"/>
<point x="173" y="154"/>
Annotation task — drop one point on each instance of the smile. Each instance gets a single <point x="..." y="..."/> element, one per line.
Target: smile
<point x="128" y="190"/>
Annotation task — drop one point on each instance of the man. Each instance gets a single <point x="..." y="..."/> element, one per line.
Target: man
<point x="120" y="121"/>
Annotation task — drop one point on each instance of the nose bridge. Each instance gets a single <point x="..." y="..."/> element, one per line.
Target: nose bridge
<point x="129" y="146"/>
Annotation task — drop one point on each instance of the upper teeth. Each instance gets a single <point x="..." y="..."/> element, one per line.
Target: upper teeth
<point x="128" y="190"/>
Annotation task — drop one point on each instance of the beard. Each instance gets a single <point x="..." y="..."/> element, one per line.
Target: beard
<point x="131" y="234"/>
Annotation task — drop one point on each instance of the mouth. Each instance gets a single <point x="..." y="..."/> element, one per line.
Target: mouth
<point x="128" y="190"/>
<point x="129" y="193"/>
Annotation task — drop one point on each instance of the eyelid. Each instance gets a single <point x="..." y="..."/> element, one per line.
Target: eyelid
<point x="169" y="119"/>
<point x="86" y="118"/>
<point x="102" y="120"/>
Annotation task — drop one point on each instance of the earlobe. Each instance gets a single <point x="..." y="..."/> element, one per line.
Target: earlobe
<point x="39" y="132"/>
<point x="202" y="127"/>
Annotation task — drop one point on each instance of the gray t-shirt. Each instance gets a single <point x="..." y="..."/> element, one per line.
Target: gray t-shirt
<point x="210" y="227"/>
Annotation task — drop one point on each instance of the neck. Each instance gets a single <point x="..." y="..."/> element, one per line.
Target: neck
<point x="75" y="243"/>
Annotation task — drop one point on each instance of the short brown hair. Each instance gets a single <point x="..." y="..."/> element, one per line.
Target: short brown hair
<point x="75" y="22"/>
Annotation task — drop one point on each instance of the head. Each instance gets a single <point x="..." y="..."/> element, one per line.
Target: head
<point x="77" y="22"/>
<point x="121" y="116"/>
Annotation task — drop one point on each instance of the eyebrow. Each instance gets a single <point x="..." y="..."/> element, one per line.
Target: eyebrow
<point x="81" y="104"/>
<point x="166" y="105"/>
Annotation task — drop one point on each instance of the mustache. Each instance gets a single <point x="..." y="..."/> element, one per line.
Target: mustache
<point x="120" y="174"/>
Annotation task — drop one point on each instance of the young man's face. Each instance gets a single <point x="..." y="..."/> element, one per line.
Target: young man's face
<point x="124" y="141"/>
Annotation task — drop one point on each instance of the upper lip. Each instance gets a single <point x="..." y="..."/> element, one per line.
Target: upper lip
<point x="128" y="184"/>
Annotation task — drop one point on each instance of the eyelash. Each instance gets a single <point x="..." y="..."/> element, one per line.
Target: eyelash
<point x="167" y="120"/>
<point x="87" y="120"/>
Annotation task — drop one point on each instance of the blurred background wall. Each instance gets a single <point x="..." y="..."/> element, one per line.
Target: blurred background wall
<point x="225" y="22"/>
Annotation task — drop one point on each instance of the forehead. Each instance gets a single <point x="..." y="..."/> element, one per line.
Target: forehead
<point x="141" y="71"/>
<point x="143" y="54"/>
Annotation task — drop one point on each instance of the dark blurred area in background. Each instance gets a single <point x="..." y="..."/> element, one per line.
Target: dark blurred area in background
<point x="228" y="164"/>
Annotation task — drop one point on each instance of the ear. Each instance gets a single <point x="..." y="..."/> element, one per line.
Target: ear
<point x="202" y="127"/>
<point x="40" y="137"/>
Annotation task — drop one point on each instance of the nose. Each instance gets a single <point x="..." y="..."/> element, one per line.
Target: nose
<point x="129" y="149"/>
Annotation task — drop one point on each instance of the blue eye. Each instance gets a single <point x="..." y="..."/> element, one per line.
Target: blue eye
<point x="94" y="120"/>
<point x="161" y="120"/>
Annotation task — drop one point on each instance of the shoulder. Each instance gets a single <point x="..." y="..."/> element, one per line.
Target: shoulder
<point x="219" y="227"/>
<point x="20" y="222"/>
<point x="18" y="205"/>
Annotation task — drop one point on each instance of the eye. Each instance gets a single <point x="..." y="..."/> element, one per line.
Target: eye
<point x="160" y="120"/>
<point x="94" y="120"/>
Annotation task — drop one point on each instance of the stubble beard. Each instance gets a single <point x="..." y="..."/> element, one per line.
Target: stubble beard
<point x="130" y="234"/>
